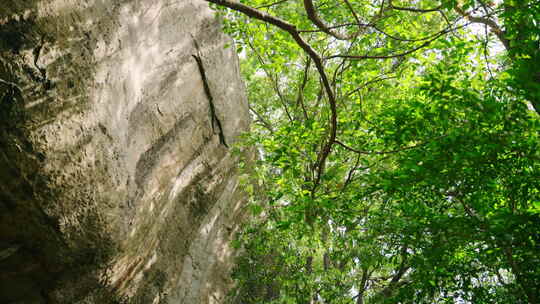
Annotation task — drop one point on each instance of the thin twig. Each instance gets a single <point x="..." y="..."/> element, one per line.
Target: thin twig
<point x="385" y="152"/>
<point x="413" y="9"/>
<point x="314" y="17"/>
<point x="271" y="4"/>
<point x="263" y="121"/>
<point x="300" y="99"/>
<point x="495" y="28"/>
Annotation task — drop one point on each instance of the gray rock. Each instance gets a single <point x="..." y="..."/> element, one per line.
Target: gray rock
<point x="117" y="180"/>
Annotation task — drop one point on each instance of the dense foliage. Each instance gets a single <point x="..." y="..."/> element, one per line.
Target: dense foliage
<point x="398" y="148"/>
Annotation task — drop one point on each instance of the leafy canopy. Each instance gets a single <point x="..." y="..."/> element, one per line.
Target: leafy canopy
<point x="397" y="148"/>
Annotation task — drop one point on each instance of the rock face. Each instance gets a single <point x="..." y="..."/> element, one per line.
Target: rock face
<point x="117" y="181"/>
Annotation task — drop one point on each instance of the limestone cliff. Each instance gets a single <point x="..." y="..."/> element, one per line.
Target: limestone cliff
<point x="116" y="178"/>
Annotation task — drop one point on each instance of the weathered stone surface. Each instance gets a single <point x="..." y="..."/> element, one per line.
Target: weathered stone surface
<point x="114" y="182"/>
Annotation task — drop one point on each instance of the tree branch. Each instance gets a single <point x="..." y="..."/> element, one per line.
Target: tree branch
<point x="300" y="99"/>
<point x="383" y="152"/>
<point x="375" y="80"/>
<point x="314" y="17"/>
<point x="495" y="28"/>
<point x="360" y="57"/>
<point x="292" y="30"/>
<point x="263" y="121"/>
<point x="272" y="78"/>
<point x="271" y="4"/>
<point x="412" y="9"/>
<point x="353" y="12"/>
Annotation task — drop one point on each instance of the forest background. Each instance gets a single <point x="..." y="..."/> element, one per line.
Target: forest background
<point x="398" y="150"/>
